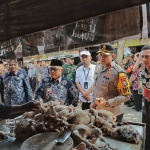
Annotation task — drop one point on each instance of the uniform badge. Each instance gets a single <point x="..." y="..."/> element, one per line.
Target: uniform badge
<point x="6" y="85"/>
<point x="21" y="76"/>
<point x="147" y="84"/>
<point x="48" y="90"/>
<point x="148" y="76"/>
<point x="144" y="81"/>
<point x="104" y="47"/>
<point x="63" y="82"/>
<point x="73" y="88"/>
<point x="124" y="83"/>
<point x="46" y="79"/>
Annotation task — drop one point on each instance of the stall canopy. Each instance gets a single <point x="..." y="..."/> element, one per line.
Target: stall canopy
<point x="21" y="17"/>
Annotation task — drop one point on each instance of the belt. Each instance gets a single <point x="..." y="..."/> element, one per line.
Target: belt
<point x="32" y="77"/>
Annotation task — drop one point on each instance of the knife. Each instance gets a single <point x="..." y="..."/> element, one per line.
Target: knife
<point x="60" y="139"/>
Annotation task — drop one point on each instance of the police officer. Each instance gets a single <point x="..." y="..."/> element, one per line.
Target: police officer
<point x="17" y="90"/>
<point x="56" y="87"/>
<point x="111" y="87"/>
<point x="69" y="68"/>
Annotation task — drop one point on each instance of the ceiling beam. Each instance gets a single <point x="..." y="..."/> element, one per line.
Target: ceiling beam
<point x="21" y="17"/>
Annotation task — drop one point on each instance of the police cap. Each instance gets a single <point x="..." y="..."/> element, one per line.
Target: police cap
<point x="106" y="49"/>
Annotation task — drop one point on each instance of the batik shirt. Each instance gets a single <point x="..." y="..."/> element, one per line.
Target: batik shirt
<point x="61" y="90"/>
<point x="144" y="77"/>
<point x="135" y="82"/>
<point x="128" y="68"/>
<point x="17" y="89"/>
<point x="69" y="72"/>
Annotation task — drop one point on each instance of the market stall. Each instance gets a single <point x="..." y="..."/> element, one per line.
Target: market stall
<point x="35" y="134"/>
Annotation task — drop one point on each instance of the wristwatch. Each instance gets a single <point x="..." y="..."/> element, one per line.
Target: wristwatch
<point x="107" y="104"/>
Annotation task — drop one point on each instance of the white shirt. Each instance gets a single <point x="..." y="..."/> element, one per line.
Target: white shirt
<point x="85" y="75"/>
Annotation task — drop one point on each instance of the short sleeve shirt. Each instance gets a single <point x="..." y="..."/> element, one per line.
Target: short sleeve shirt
<point x="44" y="71"/>
<point x="85" y="75"/>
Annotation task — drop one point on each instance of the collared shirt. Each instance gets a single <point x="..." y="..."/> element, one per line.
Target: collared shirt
<point x="32" y="72"/>
<point x="85" y="75"/>
<point x="61" y="90"/>
<point x="135" y="82"/>
<point x="44" y="71"/>
<point x="144" y="77"/>
<point x="17" y="90"/>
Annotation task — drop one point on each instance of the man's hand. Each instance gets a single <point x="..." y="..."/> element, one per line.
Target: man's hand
<point x="31" y="106"/>
<point x="132" y="78"/>
<point x="92" y="105"/>
<point x="85" y="95"/>
<point x="100" y="102"/>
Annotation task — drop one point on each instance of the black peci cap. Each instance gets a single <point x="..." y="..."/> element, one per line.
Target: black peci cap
<point x="106" y="49"/>
<point x="56" y="62"/>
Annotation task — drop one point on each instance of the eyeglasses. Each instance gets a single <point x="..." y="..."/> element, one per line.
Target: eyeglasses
<point x="54" y="69"/>
<point x="145" y="56"/>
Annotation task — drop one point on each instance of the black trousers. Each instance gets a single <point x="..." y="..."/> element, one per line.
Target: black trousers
<point x="146" y="120"/>
<point x="32" y="84"/>
<point x="85" y="105"/>
<point x="137" y="100"/>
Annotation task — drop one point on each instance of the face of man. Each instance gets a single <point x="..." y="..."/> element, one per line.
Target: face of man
<point x="136" y="57"/>
<point x="56" y="71"/>
<point x="5" y="65"/>
<point x="43" y="63"/>
<point x="1" y="68"/>
<point x="85" y="59"/>
<point x="12" y="67"/>
<point x="106" y="59"/>
<point x="70" y="61"/>
<point x="145" y="55"/>
<point x="31" y="65"/>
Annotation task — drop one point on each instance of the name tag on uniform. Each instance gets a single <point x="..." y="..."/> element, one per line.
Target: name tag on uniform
<point x="85" y="85"/>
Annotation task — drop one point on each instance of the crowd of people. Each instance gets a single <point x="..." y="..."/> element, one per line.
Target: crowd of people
<point x="101" y="85"/>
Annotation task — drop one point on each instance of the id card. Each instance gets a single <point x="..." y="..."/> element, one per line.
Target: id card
<point x="85" y="85"/>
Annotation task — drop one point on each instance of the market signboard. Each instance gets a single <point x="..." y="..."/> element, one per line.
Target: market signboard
<point x="88" y="32"/>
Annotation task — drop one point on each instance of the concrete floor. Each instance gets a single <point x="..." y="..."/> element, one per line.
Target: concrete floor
<point x="132" y="115"/>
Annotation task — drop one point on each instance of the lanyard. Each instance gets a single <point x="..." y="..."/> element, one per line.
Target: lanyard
<point x="86" y="76"/>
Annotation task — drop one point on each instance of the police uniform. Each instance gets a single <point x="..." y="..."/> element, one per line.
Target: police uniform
<point x="69" y="70"/>
<point x="17" y="90"/>
<point x="112" y="84"/>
